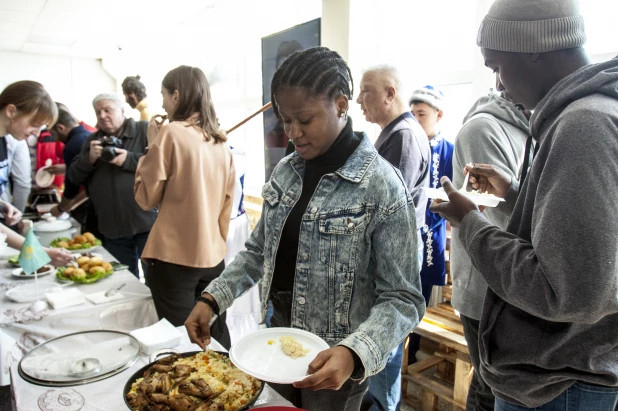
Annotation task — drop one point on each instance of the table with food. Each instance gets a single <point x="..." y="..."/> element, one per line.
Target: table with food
<point x="109" y="371"/>
<point x="93" y="293"/>
<point x="89" y="347"/>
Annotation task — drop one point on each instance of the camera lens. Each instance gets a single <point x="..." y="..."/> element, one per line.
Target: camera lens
<point x="108" y="153"/>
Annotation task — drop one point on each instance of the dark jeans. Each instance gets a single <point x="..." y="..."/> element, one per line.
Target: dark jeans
<point x="174" y="290"/>
<point x="578" y="397"/>
<point x="128" y="250"/>
<point x="347" y="398"/>
<point x="415" y="339"/>
<point x="480" y="396"/>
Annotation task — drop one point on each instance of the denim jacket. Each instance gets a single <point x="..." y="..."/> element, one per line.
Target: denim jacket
<point x="357" y="281"/>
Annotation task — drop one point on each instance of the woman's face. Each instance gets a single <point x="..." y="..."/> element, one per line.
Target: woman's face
<point x="312" y="123"/>
<point x="23" y="126"/>
<point x="170" y="101"/>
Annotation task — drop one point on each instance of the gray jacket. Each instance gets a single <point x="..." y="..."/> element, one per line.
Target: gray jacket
<point x="110" y="187"/>
<point x="494" y="132"/>
<point x="357" y="281"/>
<point x="550" y="316"/>
<point x="404" y="144"/>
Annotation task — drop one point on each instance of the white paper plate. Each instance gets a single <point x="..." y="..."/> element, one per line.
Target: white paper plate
<point x="253" y="355"/>
<point x="27" y="293"/>
<point x="486" y="200"/>
<point x="17" y="272"/>
<point x="43" y="178"/>
<point x="82" y="251"/>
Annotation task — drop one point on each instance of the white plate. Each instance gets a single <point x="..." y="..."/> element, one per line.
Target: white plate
<point x="83" y="250"/>
<point x="27" y="293"/>
<point x="43" y="178"/>
<point x="487" y="200"/>
<point x="253" y="355"/>
<point x="17" y="272"/>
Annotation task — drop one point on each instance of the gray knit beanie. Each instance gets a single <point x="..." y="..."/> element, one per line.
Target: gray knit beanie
<point x="532" y="26"/>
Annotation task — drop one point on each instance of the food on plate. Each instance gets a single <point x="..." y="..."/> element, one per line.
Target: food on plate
<point x="79" y="274"/>
<point x="14" y="260"/>
<point x="95" y="261"/>
<point x="293" y="348"/>
<point x="271" y="342"/>
<point x="96" y="270"/>
<point x="79" y="242"/>
<point x="41" y="270"/>
<point x="83" y="260"/>
<point x="86" y="269"/>
<point x="206" y="381"/>
<point x="80" y="239"/>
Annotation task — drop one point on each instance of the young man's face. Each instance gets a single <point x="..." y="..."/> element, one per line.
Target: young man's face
<point x="521" y="78"/>
<point x="428" y="116"/>
<point x="131" y="99"/>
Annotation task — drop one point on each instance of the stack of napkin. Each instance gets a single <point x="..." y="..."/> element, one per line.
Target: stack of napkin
<point x="65" y="298"/>
<point x="158" y="336"/>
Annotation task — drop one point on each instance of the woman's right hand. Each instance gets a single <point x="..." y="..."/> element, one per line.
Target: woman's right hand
<point x="198" y="323"/>
<point x="154" y="125"/>
<point x="489" y="179"/>
<point x="60" y="257"/>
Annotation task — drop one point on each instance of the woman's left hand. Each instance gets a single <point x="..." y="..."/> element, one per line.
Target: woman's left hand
<point x="330" y="370"/>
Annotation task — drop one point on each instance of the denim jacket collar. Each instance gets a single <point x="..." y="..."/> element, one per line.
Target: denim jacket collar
<point x="354" y="169"/>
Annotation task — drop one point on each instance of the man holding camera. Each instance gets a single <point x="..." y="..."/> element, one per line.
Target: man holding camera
<point x="106" y="167"/>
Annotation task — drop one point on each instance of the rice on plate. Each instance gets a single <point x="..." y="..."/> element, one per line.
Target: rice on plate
<point x="227" y="387"/>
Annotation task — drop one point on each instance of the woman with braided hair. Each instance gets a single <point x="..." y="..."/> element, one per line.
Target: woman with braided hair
<point x="334" y="245"/>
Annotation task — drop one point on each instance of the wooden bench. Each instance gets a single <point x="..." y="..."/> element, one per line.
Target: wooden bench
<point x="452" y="362"/>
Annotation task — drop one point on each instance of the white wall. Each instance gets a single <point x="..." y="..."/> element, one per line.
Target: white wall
<point x="72" y="81"/>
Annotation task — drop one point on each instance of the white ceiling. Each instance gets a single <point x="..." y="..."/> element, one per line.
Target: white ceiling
<point x="98" y="28"/>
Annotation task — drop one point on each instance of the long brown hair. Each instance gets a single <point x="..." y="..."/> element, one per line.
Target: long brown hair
<point x="30" y="97"/>
<point x="194" y="97"/>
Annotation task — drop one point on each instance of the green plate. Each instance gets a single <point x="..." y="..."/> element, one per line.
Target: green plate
<point x="89" y="279"/>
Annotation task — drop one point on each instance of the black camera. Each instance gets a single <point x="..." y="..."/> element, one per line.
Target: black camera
<point x="110" y="144"/>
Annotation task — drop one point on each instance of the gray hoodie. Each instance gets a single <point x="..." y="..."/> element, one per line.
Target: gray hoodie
<point x="494" y="132"/>
<point x="550" y="316"/>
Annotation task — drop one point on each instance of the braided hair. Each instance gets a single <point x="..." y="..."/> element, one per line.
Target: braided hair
<point x="318" y="70"/>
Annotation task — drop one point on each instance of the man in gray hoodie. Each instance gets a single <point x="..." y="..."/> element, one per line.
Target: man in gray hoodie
<point x="494" y="132"/>
<point x="548" y="332"/>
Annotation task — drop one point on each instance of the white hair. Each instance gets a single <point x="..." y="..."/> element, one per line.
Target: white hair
<point x="389" y="72"/>
<point x="391" y="76"/>
<point x="108" y="96"/>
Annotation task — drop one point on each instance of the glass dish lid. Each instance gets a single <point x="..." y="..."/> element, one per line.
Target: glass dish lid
<point x="79" y="358"/>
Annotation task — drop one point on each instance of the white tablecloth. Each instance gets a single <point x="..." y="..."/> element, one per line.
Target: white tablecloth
<point x="105" y="395"/>
<point x="244" y="316"/>
<point x="21" y="329"/>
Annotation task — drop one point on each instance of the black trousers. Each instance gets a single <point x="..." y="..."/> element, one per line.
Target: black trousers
<point x="480" y="397"/>
<point x="174" y="290"/>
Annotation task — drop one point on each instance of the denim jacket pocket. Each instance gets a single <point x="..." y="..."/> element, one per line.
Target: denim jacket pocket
<point x="339" y="236"/>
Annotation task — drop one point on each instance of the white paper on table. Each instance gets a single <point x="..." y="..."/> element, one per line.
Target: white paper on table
<point x="100" y="298"/>
<point x="158" y="336"/>
<point x="63" y="299"/>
